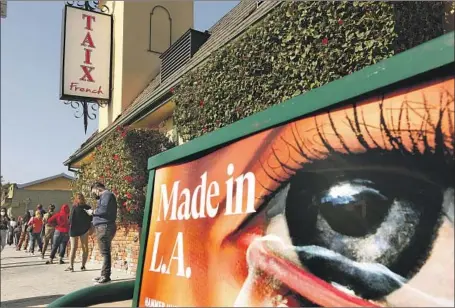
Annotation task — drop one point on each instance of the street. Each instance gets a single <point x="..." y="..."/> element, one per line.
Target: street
<point x="26" y="281"/>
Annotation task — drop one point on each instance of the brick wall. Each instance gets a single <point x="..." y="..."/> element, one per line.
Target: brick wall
<point x="125" y="249"/>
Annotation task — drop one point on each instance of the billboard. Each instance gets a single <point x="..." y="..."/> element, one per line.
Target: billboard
<point x="348" y="207"/>
<point x="86" y="55"/>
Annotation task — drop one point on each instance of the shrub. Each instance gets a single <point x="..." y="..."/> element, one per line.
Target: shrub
<point x="120" y="162"/>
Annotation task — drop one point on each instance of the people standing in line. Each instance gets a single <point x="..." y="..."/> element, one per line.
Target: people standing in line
<point x="49" y="229"/>
<point x="4" y="225"/>
<point x="104" y="218"/>
<point x="35" y="225"/>
<point x="80" y="223"/>
<point x="61" y="237"/>
<point x="25" y="235"/>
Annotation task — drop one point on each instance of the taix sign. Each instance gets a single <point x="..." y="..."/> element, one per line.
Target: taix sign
<point x="86" y="55"/>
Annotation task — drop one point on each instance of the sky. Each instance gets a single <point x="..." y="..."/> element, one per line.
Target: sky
<point x="39" y="132"/>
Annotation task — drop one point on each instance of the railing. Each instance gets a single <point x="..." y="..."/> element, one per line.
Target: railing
<point x="94" y="295"/>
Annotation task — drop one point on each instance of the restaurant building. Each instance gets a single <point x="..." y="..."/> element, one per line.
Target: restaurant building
<point x="155" y="47"/>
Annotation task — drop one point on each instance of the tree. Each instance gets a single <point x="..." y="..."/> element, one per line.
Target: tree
<point x="5" y="187"/>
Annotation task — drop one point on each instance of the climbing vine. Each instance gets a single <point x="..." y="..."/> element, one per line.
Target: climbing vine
<point x="120" y="162"/>
<point x="297" y="47"/>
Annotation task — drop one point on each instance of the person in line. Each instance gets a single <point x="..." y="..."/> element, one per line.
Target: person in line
<point x="49" y="229"/>
<point x="61" y="237"/>
<point x="104" y="222"/>
<point x="4" y="225"/>
<point x="12" y="225"/>
<point x="34" y="227"/>
<point x="17" y="231"/>
<point x="25" y="235"/>
<point x="80" y="223"/>
<point x="40" y="208"/>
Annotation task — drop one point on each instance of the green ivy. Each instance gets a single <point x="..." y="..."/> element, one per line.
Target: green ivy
<point x="299" y="46"/>
<point x="120" y="162"/>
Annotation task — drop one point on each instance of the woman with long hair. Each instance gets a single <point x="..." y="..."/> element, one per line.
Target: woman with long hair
<point x="35" y="225"/>
<point x="61" y="237"/>
<point x="25" y="235"/>
<point x="80" y="223"/>
<point x="4" y="225"/>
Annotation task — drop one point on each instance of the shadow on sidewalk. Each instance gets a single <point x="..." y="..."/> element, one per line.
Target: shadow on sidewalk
<point x="37" y="263"/>
<point x="31" y="301"/>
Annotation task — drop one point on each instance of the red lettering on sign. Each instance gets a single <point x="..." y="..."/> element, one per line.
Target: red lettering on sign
<point x="88" y="22"/>
<point x="88" y="40"/>
<point x="88" y="54"/>
<point x="87" y="73"/>
<point x="74" y="87"/>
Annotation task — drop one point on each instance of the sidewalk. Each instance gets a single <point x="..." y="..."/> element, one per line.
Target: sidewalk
<point x="26" y="281"/>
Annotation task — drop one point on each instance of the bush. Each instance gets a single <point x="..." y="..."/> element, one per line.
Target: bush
<point x="299" y="46"/>
<point x="120" y="162"/>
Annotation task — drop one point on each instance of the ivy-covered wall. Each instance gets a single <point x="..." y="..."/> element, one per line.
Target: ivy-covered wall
<point x="120" y="162"/>
<point x="299" y="46"/>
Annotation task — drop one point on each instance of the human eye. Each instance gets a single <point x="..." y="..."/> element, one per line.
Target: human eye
<point x="368" y="221"/>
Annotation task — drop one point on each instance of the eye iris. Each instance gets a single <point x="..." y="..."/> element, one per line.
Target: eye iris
<point x="353" y="208"/>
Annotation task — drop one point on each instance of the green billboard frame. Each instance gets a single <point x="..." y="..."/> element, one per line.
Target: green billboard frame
<point x="433" y="58"/>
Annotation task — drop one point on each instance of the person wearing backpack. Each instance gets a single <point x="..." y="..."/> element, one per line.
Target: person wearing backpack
<point x="49" y="229"/>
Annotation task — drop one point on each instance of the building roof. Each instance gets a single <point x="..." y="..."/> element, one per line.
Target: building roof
<point x="233" y="24"/>
<point x="50" y="178"/>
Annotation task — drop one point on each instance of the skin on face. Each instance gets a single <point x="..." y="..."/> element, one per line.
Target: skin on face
<point x="417" y="122"/>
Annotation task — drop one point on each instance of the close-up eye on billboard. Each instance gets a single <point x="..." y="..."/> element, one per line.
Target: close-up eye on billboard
<point x="351" y="206"/>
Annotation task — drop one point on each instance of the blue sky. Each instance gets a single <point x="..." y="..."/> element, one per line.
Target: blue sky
<point x="39" y="132"/>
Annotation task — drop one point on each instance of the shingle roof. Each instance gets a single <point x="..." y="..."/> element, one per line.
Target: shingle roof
<point x="233" y="24"/>
<point x="61" y="175"/>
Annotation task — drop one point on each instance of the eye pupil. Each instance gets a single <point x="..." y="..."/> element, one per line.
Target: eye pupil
<point x="353" y="208"/>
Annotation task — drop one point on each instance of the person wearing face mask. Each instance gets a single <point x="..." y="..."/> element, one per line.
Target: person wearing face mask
<point x="104" y="217"/>
<point x="4" y="226"/>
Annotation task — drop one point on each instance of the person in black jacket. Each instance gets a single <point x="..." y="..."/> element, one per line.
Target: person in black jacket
<point x="4" y="225"/>
<point x="105" y="228"/>
<point x="80" y="223"/>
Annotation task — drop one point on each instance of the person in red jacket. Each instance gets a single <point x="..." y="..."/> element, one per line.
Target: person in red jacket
<point x="61" y="236"/>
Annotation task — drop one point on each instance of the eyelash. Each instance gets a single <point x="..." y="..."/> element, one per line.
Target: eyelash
<point x="392" y="137"/>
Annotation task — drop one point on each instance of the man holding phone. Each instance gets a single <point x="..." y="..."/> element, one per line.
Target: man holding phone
<point x="104" y="217"/>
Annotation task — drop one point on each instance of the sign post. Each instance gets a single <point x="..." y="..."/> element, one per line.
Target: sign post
<point x="86" y="59"/>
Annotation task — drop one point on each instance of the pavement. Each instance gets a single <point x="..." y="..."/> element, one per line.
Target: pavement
<point x="26" y="281"/>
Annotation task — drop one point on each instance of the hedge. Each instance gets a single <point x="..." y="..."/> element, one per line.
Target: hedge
<point x="297" y="47"/>
<point x="120" y="162"/>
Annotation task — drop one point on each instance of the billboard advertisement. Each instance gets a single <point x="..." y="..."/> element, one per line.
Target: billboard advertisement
<point x="86" y="55"/>
<point x="347" y="207"/>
